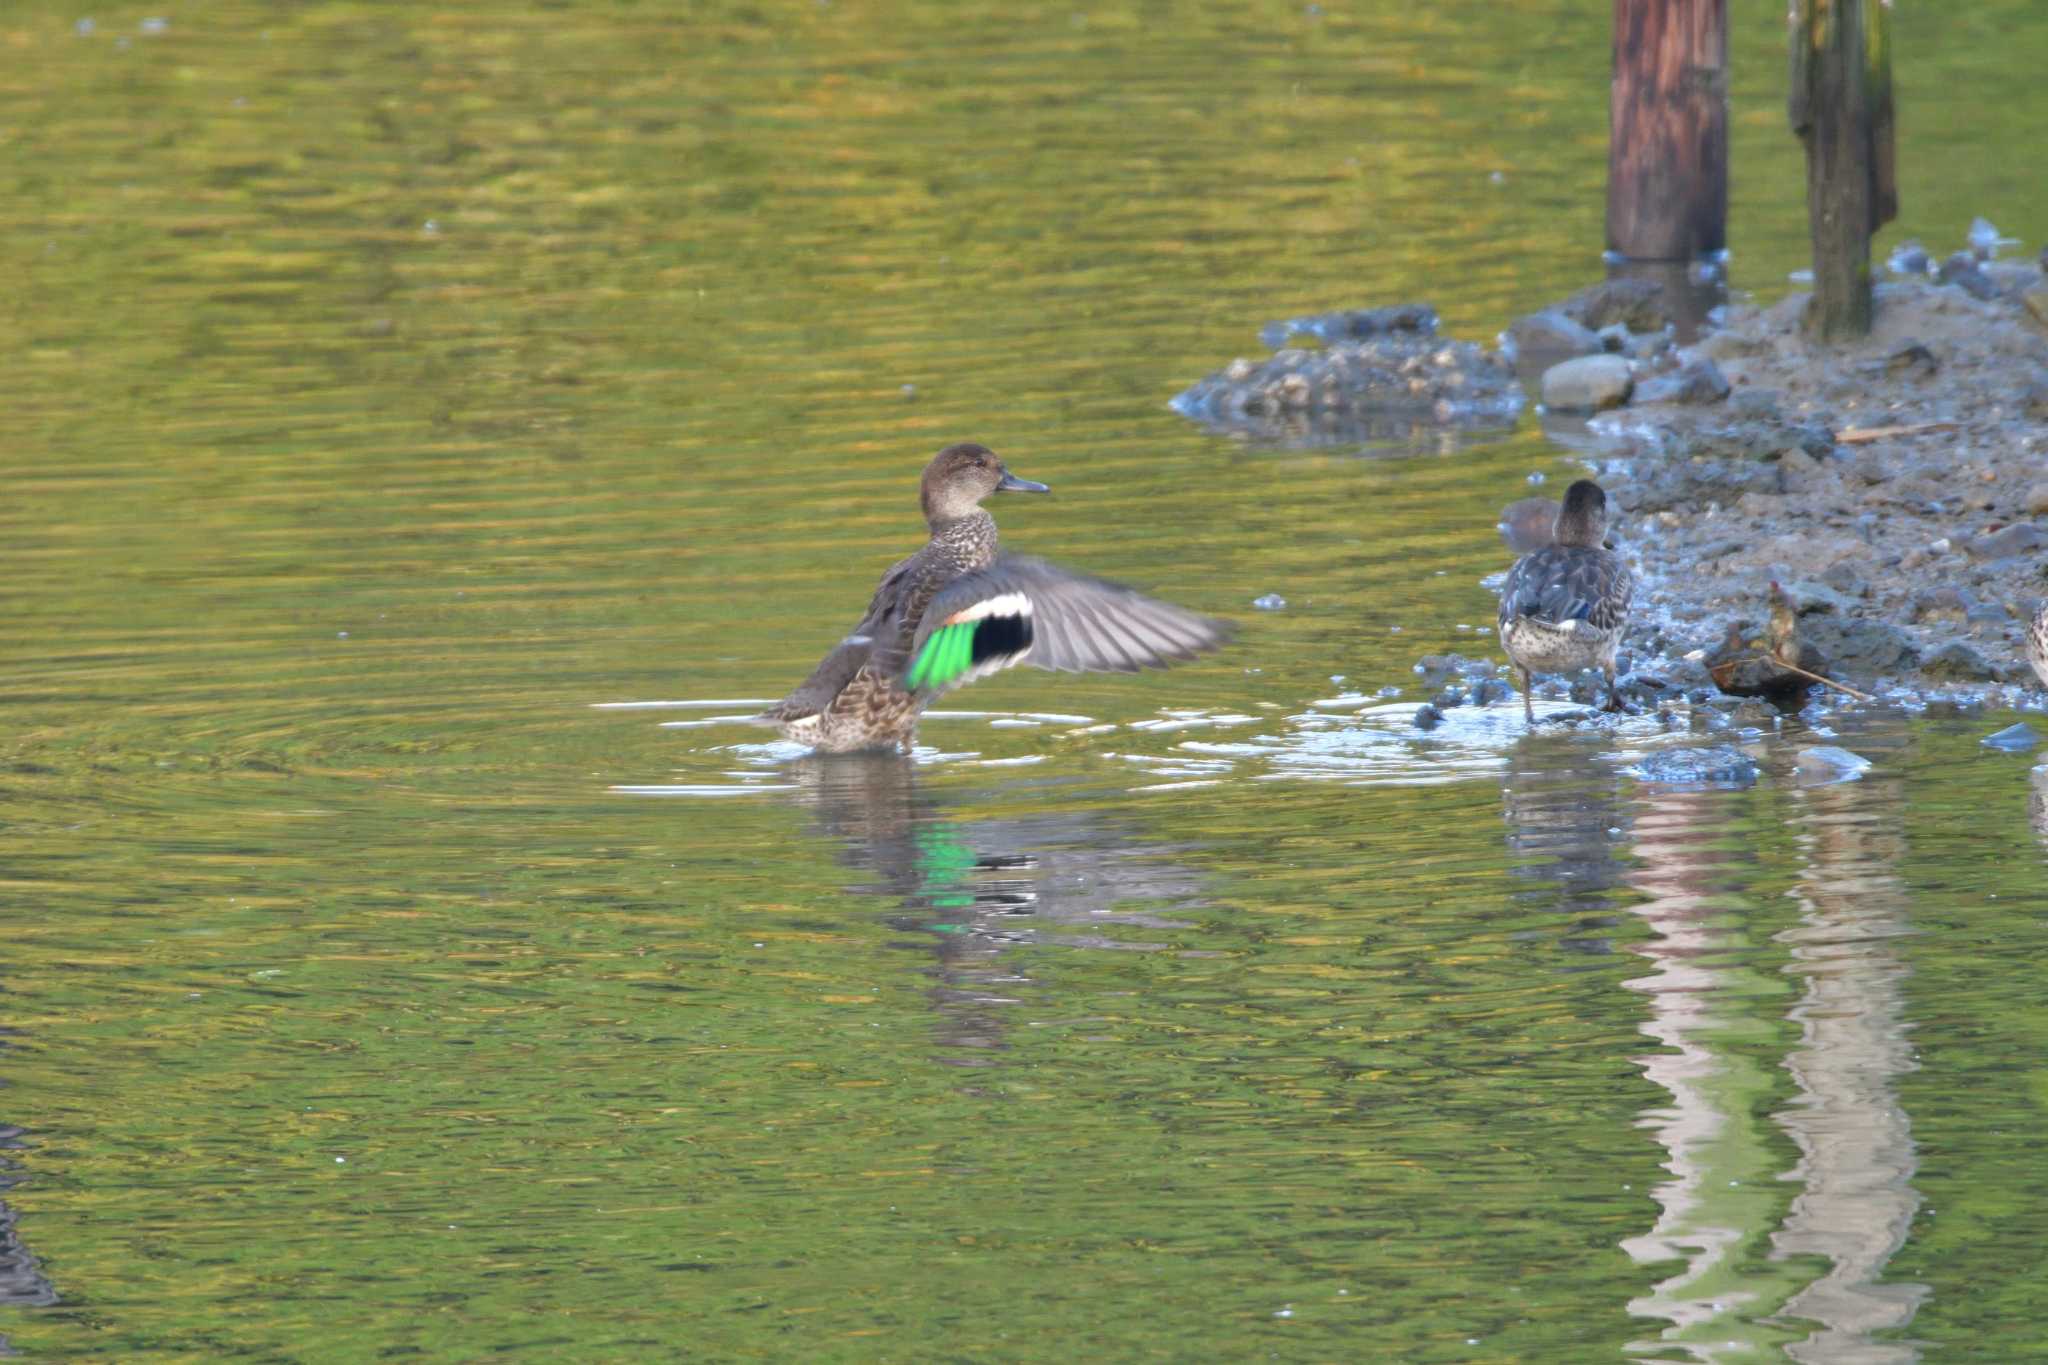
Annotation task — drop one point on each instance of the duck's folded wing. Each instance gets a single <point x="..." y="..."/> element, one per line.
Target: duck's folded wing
<point x="1562" y="584"/>
<point x="1026" y="611"/>
<point x="827" y="680"/>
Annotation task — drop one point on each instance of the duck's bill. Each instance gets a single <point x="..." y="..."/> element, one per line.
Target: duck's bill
<point x="1012" y="484"/>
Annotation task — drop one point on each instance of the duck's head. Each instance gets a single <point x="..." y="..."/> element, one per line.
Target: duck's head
<point x="1583" y="518"/>
<point x="960" y="476"/>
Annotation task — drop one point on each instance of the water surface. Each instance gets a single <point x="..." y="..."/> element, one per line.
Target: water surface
<point x="388" y="388"/>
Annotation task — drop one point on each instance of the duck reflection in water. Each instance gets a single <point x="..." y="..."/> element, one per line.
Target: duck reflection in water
<point x="977" y="890"/>
<point x="1565" y="816"/>
<point x="22" y="1283"/>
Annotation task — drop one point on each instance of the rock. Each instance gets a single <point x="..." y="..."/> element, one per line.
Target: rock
<point x="1818" y="765"/>
<point x="1963" y="271"/>
<point x="1861" y="648"/>
<point x="1589" y="383"/>
<point x="2022" y="537"/>
<point x="1843" y="577"/>
<point x="1911" y="361"/>
<point x="1636" y="304"/>
<point x="2036" y="301"/>
<point x="2034" y="400"/>
<point x="1720" y="765"/>
<point x="1551" y="333"/>
<point x="1944" y="603"/>
<point x="1491" y="690"/>
<point x="2013" y="739"/>
<point x="1699" y="380"/>
<point x="1398" y="380"/>
<point x="1909" y="258"/>
<point x="1959" y="661"/>
<point x="1427" y="717"/>
<point x="1614" y="338"/>
<point x="2037" y="499"/>
<point x="1353" y="324"/>
<point x="1756" y="402"/>
<point x="1731" y="346"/>
<point x="1813" y="599"/>
<point x="1529" y="524"/>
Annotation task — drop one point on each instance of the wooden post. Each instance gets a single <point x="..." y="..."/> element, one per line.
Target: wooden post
<point x="1840" y="102"/>
<point x="1667" y="139"/>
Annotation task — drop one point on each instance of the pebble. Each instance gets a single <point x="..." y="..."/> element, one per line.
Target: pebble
<point x="1822" y="764"/>
<point x="1589" y="383"/>
<point x="2037" y="499"/>
<point x="1551" y="333"/>
<point x="1719" y="765"/>
<point x="2013" y="739"/>
<point x="1698" y="381"/>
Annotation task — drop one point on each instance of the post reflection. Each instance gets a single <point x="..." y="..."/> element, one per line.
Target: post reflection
<point x="1708" y="1005"/>
<point x="975" y="890"/>
<point x="1754" y="1272"/>
<point x="1749" y="1266"/>
<point x="1856" y="1202"/>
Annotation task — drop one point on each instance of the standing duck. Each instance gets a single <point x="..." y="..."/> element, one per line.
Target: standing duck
<point x="958" y="610"/>
<point x="1564" y="606"/>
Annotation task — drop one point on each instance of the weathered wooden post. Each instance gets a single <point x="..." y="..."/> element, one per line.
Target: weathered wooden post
<point x="1667" y="142"/>
<point x="1841" y="106"/>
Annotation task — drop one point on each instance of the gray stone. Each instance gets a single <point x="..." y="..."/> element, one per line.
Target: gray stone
<point x="1965" y="272"/>
<point x="2037" y="499"/>
<point x="1843" y="578"/>
<point x="1860" y="647"/>
<point x="1614" y="338"/>
<point x="1636" y="304"/>
<point x="1551" y="333"/>
<point x="1588" y="384"/>
<point x="1755" y="402"/>
<point x="1818" y="765"/>
<point x="2014" y="739"/>
<point x="1944" y="603"/>
<point x="1719" y="765"/>
<point x="1427" y="717"/>
<point x="1958" y="661"/>
<point x="1813" y="599"/>
<point x="1699" y="381"/>
<point x="2022" y="537"/>
<point x="1731" y="346"/>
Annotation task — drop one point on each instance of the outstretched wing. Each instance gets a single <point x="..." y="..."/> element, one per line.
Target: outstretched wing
<point x="1026" y="611"/>
<point x="1563" y="583"/>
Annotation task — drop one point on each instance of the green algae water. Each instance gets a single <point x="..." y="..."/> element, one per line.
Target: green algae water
<point x="400" y="400"/>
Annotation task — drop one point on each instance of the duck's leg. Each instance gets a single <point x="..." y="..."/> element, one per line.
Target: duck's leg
<point x="1528" y="686"/>
<point x="1613" y="692"/>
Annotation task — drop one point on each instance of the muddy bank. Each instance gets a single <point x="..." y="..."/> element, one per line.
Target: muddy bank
<point x="1897" y="488"/>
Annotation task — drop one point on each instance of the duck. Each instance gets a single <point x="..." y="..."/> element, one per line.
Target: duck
<point x="960" y="609"/>
<point x="2037" y="644"/>
<point x="1564" y="605"/>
